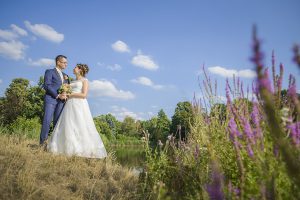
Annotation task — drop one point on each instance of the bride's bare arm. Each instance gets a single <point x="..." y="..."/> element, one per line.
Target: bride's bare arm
<point x="83" y="93"/>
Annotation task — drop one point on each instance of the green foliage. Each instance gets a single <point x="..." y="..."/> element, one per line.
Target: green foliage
<point x="252" y="143"/>
<point x="103" y="127"/>
<point x="29" y="128"/>
<point x="218" y="111"/>
<point x="15" y="100"/>
<point x="128" y="127"/>
<point x="35" y="101"/>
<point x="21" y="100"/>
<point x="182" y="119"/>
<point x="162" y="129"/>
<point x="124" y="140"/>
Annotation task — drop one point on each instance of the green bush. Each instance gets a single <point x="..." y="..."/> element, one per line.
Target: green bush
<point x="28" y="128"/>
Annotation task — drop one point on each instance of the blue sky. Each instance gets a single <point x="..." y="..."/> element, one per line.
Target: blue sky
<point x="144" y="55"/>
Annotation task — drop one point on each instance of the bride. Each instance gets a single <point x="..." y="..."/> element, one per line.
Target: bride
<point x="75" y="132"/>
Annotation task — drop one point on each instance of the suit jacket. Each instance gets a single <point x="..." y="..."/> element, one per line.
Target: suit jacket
<point x="52" y="83"/>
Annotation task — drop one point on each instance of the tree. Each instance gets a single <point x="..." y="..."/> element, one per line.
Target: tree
<point x="128" y="126"/>
<point x="35" y="103"/>
<point x="150" y="127"/>
<point x="182" y="119"/>
<point x="15" y="100"/>
<point x="103" y="127"/>
<point x="113" y="123"/>
<point x="162" y="129"/>
<point x="22" y="100"/>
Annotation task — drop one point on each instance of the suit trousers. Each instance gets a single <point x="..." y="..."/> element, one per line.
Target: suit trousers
<point x="51" y="112"/>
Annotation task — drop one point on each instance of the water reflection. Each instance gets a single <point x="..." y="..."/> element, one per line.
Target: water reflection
<point x="130" y="156"/>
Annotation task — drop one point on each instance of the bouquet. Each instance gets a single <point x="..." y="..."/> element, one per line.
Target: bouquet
<point x="65" y="88"/>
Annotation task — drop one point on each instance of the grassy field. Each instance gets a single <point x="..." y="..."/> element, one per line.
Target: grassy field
<point x="28" y="172"/>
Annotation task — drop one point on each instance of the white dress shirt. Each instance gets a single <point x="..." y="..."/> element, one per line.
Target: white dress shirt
<point x="60" y="74"/>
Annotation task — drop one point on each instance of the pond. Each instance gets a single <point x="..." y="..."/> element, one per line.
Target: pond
<point x="130" y="156"/>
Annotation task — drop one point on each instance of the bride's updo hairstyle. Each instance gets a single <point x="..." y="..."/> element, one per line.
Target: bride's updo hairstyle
<point x="84" y="69"/>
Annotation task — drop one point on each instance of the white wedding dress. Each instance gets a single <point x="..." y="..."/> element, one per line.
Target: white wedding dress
<point x="75" y="132"/>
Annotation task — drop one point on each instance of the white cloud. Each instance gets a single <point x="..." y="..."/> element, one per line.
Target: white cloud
<point x="121" y="112"/>
<point x="120" y="46"/>
<point x="18" y="30"/>
<point x="100" y="64"/>
<point x="12" y="50"/>
<point x="114" y="67"/>
<point x="247" y="73"/>
<point x="1" y="81"/>
<point x="104" y="88"/>
<point x="147" y="82"/>
<point x="42" y="62"/>
<point x="45" y="31"/>
<point x="144" y="61"/>
<point x="8" y="35"/>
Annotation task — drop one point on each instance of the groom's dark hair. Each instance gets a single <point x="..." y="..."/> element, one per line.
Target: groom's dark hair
<point x="59" y="57"/>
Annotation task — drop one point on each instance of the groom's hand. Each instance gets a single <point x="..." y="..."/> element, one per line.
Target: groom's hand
<point x="62" y="96"/>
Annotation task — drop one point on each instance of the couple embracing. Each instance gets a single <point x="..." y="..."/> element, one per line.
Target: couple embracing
<point x="74" y="132"/>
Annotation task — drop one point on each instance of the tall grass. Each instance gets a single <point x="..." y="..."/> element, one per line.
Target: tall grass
<point x="27" y="172"/>
<point x="249" y="150"/>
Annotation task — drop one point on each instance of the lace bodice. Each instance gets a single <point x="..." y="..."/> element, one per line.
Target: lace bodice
<point x="77" y="86"/>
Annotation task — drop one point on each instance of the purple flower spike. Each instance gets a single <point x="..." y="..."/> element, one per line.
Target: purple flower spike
<point x="228" y="92"/>
<point x="234" y="132"/>
<point x="292" y="90"/>
<point x="255" y="117"/>
<point x="264" y="82"/>
<point x="296" y="58"/>
<point x="255" y="89"/>
<point x="279" y="81"/>
<point x="295" y="132"/>
<point x="214" y="189"/>
<point x="258" y="55"/>
<point x="248" y="131"/>
<point x="250" y="151"/>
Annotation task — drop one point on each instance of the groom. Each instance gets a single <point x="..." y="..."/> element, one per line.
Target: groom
<point x="53" y="101"/>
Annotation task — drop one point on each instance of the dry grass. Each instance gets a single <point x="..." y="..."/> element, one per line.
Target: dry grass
<point x="27" y="172"/>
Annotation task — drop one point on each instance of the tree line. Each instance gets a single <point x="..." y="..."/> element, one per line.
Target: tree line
<point x="22" y="106"/>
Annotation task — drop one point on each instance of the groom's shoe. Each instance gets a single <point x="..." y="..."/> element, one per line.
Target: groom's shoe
<point x="44" y="145"/>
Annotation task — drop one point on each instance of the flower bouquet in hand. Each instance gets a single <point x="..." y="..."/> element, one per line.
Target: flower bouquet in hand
<point x="65" y="89"/>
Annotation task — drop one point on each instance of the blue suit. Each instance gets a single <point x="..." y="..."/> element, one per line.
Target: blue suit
<point x="52" y="106"/>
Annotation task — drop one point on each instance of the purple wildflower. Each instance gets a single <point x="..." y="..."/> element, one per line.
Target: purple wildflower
<point x="264" y="82"/>
<point x="214" y="189"/>
<point x="234" y="132"/>
<point x="296" y="58"/>
<point x="242" y="90"/>
<point x="279" y="81"/>
<point x="292" y="90"/>
<point x="258" y="55"/>
<point x="256" y="121"/>
<point x="255" y="89"/>
<point x="228" y="92"/>
<point x="249" y="150"/>
<point x="295" y="132"/>
<point x="273" y="69"/>
<point x="247" y="128"/>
